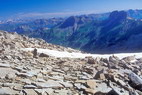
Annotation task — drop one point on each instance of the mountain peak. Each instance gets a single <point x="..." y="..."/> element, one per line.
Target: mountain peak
<point x="118" y="15"/>
<point x="68" y="22"/>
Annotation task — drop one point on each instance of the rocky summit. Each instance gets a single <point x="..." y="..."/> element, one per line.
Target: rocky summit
<point x="33" y="73"/>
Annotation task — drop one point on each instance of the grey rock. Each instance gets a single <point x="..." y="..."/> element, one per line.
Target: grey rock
<point x="10" y="76"/>
<point x="49" y="84"/>
<point x="114" y="59"/>
<point x="4" y="65"/>
<point x="135" y="81"/>
<point x="43" y="55"/>
<point x="105" y="60"/>
<point x="67" y="84"/>
<point x="24" y="75"/>
<point x="112" y="92"/>
<point x="34" y="73"/>
<point x="6" y="71"/>
<point x="100" y="75"/>
<point x="93" y="61"/>
<point x="133" y="93"/>
<point x="10" y="84"/>
<point x="29" y="87"/>
<point x="79" y="86"/>
<point x="129" y="58"/>
<point x="29" y="92"/>
<point x="7" y="91"/>
<point x="43" y="91"/>
<point x="63" y="92"/>
<point x="35" y="53"/>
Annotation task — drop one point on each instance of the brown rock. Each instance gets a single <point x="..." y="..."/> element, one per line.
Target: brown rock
<point x="91" y="91"/>
<point x="100" y="75"/>
<point x="129" y="58"/>
<point x="29" y="92"/>
<point x="91" y="83"/>
<point x="35" y="53"/>
<point x="43" y="55"/>
<point x="91" y="61"/>
<point x="114" y="59"/>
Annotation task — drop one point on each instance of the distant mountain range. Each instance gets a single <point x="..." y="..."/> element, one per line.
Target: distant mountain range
<point x="118" y="31"/>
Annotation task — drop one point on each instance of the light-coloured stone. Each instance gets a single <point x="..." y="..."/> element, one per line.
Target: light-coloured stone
<point x="67" y="84"/>
<point x="7" y="91"/>
<point x="6" y="71"/>
<point x="29" y="92"/>
<point x="49" y="84"/>
<point x="29" y="86"/>
<point x="4" y="65"/>
<point x="91" y="83"/>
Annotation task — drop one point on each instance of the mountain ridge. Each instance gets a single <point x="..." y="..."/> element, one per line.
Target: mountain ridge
<point x="89" y="33"/>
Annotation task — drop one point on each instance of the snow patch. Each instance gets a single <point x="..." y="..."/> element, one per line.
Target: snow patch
<point x="62" y="54"/>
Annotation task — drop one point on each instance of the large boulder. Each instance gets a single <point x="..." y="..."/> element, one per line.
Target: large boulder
<point x="114" y="59"/>
<point x="91" y="60"/>
<point x="43" y="55"/>
<point x="135" y="81"/>
<point x="129" y="58"/>
<point x="100" y="75"/>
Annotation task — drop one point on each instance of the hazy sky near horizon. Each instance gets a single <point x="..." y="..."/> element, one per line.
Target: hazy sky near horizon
<point x="59" y="8"/>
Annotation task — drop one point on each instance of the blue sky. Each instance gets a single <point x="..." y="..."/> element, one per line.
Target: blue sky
<point x="59" y="8"/>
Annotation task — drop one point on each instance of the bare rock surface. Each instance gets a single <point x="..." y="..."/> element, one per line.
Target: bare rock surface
<point x="33" y="73"/>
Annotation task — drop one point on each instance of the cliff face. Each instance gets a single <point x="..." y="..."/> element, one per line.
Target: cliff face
<point x="116" y="35"/>
<point x="111" y="35"/>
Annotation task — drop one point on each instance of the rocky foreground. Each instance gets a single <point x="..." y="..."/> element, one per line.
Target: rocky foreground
<point x="33" y="73"/>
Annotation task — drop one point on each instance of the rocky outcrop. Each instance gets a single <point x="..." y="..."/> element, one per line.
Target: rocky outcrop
<point x="33" y="73"/>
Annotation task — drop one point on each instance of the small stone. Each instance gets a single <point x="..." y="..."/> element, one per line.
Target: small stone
<point x="40" y="91"/>
<point x="28" y="74"/>
<point x="18" y="88"/>
<point x="100" y="75"/>
<point x="105" y="60"/>
<point x="90" y="91"/>
<point x="23" y="75"/>
<point x="43" y="55"/>
<point x="79" y="86"/>
<point x="113" y="92"/>
<point x="26" y="81"/>
<point x="91" y="83"/>
<point x="7" y="91"/>
<point x="133" y="93"/>
<point x="105" y="64"/>
<point x="4" y="72"/>
<point x="10" y="84"/>
<point x="67" y="84"/>
<point x="129" y="58"/>
<point x="40" y="80"/>
<point x="29" y="87"/>
<point x="29" y="92"/>
<point x="80" y="81"/>
<point x="10" y="76"/>
<point x="114" y="59"/>
<point x="91" y="61"/>
<point x="49" y="91"/>
<point x="62" y="92"/>
<point x="35" y="53"/>
<point x="119" y="81"/>
<point x="4" y="65"/>
<point x="49" y="84"/>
